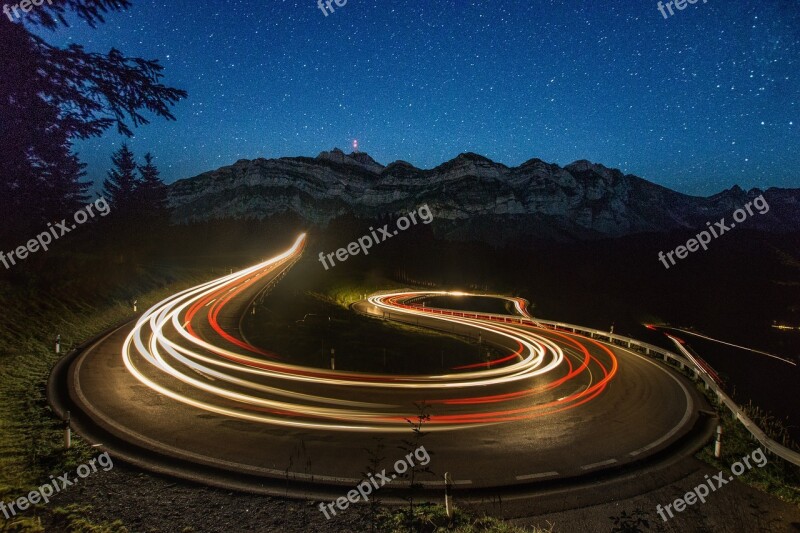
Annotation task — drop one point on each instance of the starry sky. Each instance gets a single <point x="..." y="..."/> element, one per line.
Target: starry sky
<point x="698" y="102"/>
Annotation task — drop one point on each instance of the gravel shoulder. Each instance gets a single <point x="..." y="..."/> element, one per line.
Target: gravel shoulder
<point x="733" y="508"/>
<point x="152" y="504"/>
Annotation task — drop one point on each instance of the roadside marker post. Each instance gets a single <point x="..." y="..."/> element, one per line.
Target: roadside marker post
<point x="67" y="432"/>
<point x="448" y="497"/>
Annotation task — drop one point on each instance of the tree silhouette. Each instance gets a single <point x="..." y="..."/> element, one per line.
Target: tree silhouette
<point x="91" y="11"/>
<point x="152" y="212"/>
<point x="50" y="96"/>
<point x="120" y="188"/>
<point x="151" y="194"/>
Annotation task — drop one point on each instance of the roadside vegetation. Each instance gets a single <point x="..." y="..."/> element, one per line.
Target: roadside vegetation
<point x="429" y="518"/>
<point x="86" y="287"/>
<point x="31" y="438"/>
<point x="777" y="477"/>
<point x="306" y="315"/>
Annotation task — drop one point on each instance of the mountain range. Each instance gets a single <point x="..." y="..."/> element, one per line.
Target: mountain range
<point x="470" y="196"/>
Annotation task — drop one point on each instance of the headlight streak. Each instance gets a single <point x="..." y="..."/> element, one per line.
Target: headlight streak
<point x="250" y="384"/>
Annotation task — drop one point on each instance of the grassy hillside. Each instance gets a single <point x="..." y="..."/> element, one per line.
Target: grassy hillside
<point x="37" y="307"/>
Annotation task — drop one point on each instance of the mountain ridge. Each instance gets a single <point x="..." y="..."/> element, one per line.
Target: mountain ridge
<point x="582" y="200"/>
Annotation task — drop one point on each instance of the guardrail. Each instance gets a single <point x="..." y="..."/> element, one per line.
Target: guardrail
<point x="648" y="349"/>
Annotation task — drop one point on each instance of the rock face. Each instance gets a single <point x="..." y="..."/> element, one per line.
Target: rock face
<point x="470" y="196"/>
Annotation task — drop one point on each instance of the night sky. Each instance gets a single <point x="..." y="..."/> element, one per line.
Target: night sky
<point x="698" y="102"/>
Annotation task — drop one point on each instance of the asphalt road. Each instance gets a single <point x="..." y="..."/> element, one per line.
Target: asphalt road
<point x="559" y="406"/>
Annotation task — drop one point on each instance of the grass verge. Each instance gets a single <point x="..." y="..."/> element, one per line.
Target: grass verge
<point x="31" y="439"/>
<point x="430" y="518"/>
<point x="778" y="477"/>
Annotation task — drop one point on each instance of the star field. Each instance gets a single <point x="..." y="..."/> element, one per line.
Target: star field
<point x="698" y="102"/>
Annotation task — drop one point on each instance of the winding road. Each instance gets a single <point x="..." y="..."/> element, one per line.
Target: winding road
<point x="182" y="387"/>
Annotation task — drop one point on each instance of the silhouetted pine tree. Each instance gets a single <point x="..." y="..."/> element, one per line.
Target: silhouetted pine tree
<point x="50" y="96"/>
<point x="122" y="184"/>
<point x="151" y="194"/>
<point x="120" y="189"/>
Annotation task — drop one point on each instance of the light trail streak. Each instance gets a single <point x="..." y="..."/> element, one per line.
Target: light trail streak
<point x="223" y="374"/>
<point x="782" y="359"/>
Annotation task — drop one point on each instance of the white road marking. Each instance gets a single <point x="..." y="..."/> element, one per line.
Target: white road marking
<point x="537" y="476"/>
<point x="690" y="408"/>
<point x="441" y="483"/>
<point x="601" y="463"/>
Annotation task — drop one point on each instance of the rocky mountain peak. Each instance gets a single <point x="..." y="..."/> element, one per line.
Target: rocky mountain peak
<point x="366" y="160"/>
<point x="473" y="157"/>
<point x="361" y="159"/>
<point x="473" y="195"/>
<point x="582" y="165"/>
